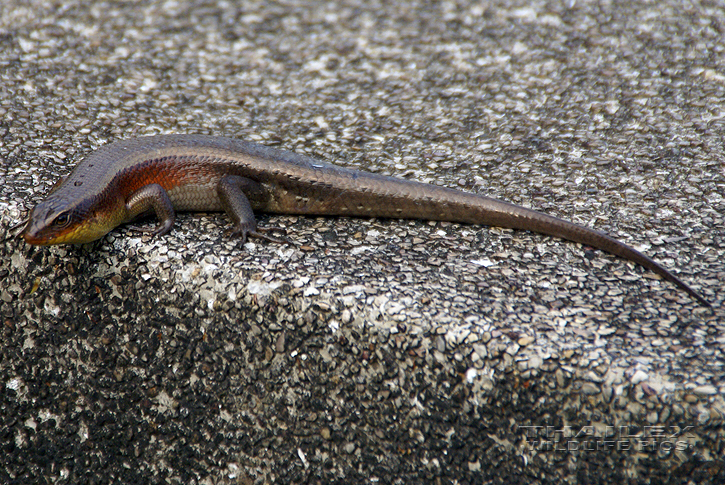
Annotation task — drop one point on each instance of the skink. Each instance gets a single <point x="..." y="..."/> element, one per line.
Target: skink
<point x="169" y="173"/>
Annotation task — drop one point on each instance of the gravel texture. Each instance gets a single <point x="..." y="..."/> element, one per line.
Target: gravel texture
<point x="373" y="351"/>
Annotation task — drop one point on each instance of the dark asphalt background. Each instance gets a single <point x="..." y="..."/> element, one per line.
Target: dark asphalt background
<point x="372" y="351"/>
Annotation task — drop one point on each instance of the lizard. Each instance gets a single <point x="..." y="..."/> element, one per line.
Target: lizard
<point x="168" y="173"/>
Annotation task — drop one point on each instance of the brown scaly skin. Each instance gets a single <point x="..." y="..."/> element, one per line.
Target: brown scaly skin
<point x="171" y="173"/>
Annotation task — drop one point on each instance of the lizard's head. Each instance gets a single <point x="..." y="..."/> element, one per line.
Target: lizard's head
<point x="54" y="221"/>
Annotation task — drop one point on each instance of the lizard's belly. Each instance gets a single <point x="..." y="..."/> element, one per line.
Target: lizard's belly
<point x="195" y="197"/>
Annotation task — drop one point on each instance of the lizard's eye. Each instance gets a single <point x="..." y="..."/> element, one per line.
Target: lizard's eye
<point x="62" y="220"/>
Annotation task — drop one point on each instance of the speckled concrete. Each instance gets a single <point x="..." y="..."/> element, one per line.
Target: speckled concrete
<point x="373" y="351"/>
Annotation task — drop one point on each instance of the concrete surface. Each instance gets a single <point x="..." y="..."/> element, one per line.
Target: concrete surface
<point x="373" y="351"/>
